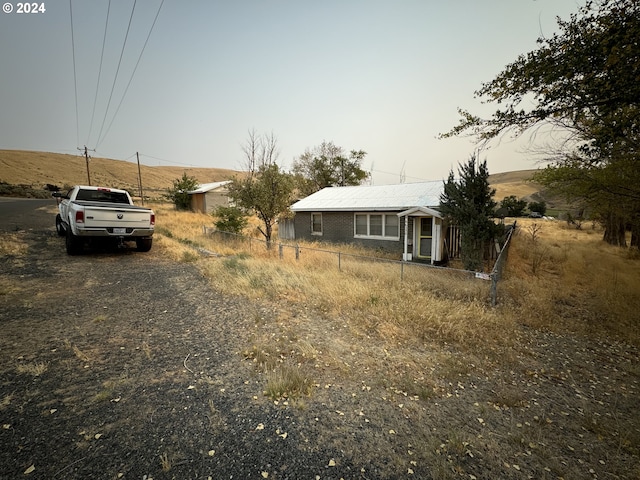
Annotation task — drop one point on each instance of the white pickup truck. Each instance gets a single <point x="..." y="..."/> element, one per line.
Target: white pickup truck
<point x="93" y="213"/>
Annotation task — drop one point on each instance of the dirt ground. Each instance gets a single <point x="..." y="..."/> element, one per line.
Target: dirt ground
<point x="118" y="364"/>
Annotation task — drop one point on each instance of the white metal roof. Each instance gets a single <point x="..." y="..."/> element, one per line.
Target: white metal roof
<point x="373" y="197"/>
<point x="207" y="187"/>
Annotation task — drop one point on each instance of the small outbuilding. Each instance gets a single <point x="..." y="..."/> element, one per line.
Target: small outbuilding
<point x="209" y="196"/>
<point x="400" y="218"/>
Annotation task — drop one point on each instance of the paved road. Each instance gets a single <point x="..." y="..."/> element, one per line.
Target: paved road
<point x="18" y="213"/>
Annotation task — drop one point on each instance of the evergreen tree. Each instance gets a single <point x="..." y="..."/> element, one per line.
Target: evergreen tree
<point x="178" y="193"/>
<point x="467" y="202"/>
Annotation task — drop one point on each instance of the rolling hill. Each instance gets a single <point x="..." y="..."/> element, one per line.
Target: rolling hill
<point x="18" y="167"/>
<point x="37" y="169"/>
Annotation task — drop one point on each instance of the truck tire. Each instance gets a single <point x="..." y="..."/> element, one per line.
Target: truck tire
<point x="59" y="226"/>
<point x="73" y="243"/>
<point x="144" y="244"/>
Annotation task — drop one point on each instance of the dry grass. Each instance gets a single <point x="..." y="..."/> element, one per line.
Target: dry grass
<point x="34" y="368"/>
<point x="428" y="328"/>
<point x="13" y="244"/>
<point x="568" y="279"/>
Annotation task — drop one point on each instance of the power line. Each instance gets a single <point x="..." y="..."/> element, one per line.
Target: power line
<point x="134" y="71"/>
<point x="95" y="99"/>
<point x="115" y="78"/>
<point x="75" y="79"/>
<point x="169" y="161"/>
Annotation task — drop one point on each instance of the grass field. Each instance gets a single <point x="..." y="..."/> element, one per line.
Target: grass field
<point x="557" y="278"/>
<point x="566" y="319"/>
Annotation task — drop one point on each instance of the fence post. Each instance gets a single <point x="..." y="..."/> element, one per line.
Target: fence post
<point x="494" y="289"/>
<point x="280" y="254"/>
<point x="339" y="262"/>
<point x="401" y="271"/>
<point x="297" y="252"/>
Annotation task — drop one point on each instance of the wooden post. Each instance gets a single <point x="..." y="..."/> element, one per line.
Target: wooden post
<point x="86" y="156"/>
<point x="140" y="179"/>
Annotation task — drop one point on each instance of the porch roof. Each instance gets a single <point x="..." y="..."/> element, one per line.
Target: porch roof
<point x="420" y="212"/>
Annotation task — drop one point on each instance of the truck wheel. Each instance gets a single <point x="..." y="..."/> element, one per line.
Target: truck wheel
<point x="144" y="244"/>
<point x="59" y="226"/>
<point x="73" y="243"/>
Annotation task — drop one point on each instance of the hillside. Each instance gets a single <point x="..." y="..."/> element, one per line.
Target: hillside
<point x="519" y="183"/>
<point x="18" y="167"/>
<point x="37" y="169"/>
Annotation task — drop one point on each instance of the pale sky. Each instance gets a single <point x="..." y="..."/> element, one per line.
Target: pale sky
<point x="385" y="77"/>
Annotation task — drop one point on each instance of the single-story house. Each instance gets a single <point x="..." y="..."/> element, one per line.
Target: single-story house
<point x="207" y="197"/>
<point x="396" y="218"/>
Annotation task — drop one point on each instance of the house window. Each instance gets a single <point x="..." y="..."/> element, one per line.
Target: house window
<point x="316" y="224"/>
<point x="362" y="226"/>
<point x="391" y="226"/>
<point x="377" y="225"/>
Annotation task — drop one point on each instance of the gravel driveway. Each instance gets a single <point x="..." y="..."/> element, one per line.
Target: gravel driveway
<point x="123" y="365"/>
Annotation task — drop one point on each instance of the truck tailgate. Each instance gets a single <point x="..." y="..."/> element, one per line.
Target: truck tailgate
<point x="111" y="215"/>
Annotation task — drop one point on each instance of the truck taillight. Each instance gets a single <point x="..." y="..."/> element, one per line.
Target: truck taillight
<point x="79" y="216"/>
<point x="153" y="219"/>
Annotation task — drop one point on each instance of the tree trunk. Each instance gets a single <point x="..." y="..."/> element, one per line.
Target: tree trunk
<point x="635" y="235"/>
<point x="615" y="230"/>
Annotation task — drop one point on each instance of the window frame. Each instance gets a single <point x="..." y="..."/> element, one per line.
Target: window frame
<point x="313" y="232"/>
<point x="368" y="235"/>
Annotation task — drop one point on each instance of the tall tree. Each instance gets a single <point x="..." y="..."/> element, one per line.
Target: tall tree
<point x="327" y="165"/>
<point x="585" y="82"/>
<point x="267" y="191"/>
<point x="468" y="203"/>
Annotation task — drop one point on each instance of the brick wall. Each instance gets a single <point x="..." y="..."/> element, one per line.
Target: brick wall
<point x="338" y="227"/>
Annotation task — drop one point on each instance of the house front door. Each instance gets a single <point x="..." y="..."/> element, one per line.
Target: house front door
<point x="425" y="238"/>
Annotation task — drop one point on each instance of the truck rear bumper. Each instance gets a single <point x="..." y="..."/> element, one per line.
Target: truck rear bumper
<point x="114" y="232"/>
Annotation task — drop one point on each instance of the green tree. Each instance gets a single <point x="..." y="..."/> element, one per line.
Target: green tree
<point x="583" y="82"/>
<point x="268" y="193"/>
<point x="467" y="202"/>
<point x="540" y="207"/>
<point x="328" y="166"/>
<point x="178" y="192"/>
<point x="230" y="219"/>
<point x="514" y="207"/>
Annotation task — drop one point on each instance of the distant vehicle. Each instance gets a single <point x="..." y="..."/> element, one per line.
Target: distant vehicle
<point x="92" y="213"/>
<point x="535" y="215"/>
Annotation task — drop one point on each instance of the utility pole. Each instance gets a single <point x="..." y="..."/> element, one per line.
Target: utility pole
<point x="86" y="156"/>
<point x="140" y="178"/>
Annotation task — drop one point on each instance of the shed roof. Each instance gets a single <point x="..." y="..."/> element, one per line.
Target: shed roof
<point x="373" y="197"/>
<point x="207" y="187"/>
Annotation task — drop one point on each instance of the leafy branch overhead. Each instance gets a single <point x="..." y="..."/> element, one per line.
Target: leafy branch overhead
<point x="584" y="84"/>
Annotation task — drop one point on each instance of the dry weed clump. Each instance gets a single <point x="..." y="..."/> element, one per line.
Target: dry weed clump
<point x="580" y="284"/>
<point x="13" y="244"/>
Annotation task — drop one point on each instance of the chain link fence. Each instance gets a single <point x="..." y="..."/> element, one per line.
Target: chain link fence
<point x="350" y="262"/>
